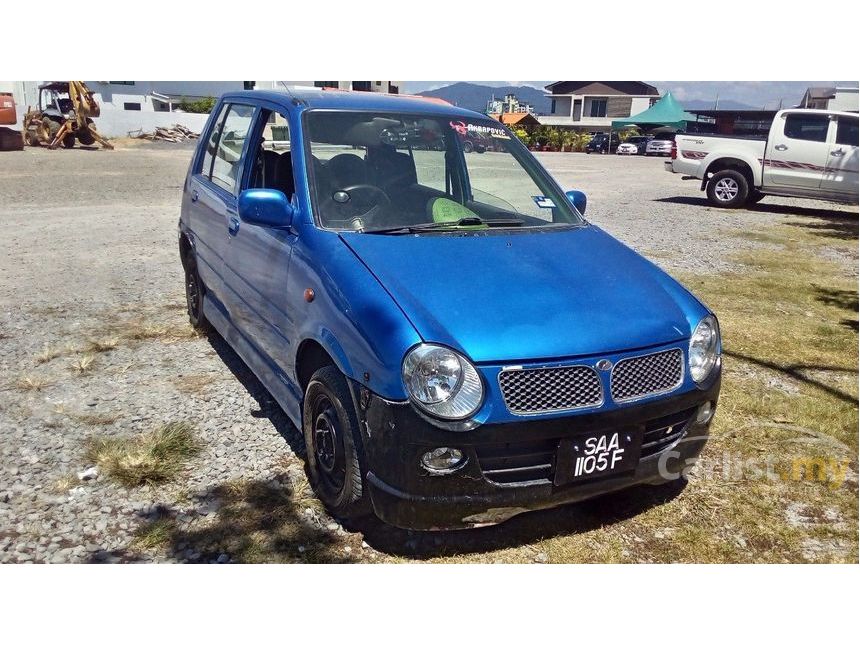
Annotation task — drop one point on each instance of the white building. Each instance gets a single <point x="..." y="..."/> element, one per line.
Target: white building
<point x="129" y="107"/>
<point x="592" y="105"/>
<point x="508" y="105"/>
<point x="844" y="99"/>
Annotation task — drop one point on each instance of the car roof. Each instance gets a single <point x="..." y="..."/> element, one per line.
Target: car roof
<point x="309" y="98"/>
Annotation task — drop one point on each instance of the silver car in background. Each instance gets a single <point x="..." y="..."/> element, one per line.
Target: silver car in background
<point x="660" y="145"/>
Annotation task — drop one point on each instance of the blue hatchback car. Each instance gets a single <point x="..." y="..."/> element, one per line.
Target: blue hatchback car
<point x="456" y="342"/>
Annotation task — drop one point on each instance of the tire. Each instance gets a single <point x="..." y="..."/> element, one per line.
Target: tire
<point x="728" y="189"/>
<point x="755" y="197"/>
<point x="86" y="138"/>
<point x="195" y="292"/>
<point x="468" y="146"/>
<point x="69" y="141"/>
<point x="335" y="453"/>
<point x="31" y="139"/>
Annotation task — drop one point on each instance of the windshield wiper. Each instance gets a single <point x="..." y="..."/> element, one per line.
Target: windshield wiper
<point x="464" y="222"/>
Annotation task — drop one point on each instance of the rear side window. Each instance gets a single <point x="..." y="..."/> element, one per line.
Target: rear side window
<point x="226" y="166"/>
<point x="212" y="143"/>
<point x="807" y="127"/>
<point x="846" y="131"/>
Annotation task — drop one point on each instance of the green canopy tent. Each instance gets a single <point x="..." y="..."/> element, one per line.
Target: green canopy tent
<point x="666" y="112"/>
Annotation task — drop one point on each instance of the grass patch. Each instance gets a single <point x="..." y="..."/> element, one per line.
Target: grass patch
<point x="193" y="383"/>
<point x="153" y="458"/>
<point x="154" y="535"/>
<point x="83" y="364"/>
<point x="139" y="329"/>
<point x="49" y="353"/>
<point x="94" y="419"/>
<point x="99" y="345"/>
<point x="66" y="483"/>
<point x="32" y="383"/>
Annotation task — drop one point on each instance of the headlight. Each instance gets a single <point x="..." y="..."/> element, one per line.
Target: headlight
<point x="442" y="382"/>
<point x="703" y="352"/>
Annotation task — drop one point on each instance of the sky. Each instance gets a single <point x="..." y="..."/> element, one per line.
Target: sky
<point x="758" y="94"/>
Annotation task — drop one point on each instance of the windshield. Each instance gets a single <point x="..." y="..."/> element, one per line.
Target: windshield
<point x="387" y="173"/>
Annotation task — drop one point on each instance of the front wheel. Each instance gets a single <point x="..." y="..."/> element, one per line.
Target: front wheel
<point x="468" y="146"/>
<point x="728" y="189"/>
<point x="333" y="443"/>
<point x="69" y="141"/>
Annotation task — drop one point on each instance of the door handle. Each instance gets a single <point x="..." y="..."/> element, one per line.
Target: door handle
<point x="233" y="226"/>
<point x="780" y="147"/>
<point x="194" y="195"/>
<point x="837" y="153"/>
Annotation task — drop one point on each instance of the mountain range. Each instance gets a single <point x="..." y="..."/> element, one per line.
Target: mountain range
<point x="474" y="97"/>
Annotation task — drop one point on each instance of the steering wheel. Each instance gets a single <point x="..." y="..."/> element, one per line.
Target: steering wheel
<point x="357" y="202"/>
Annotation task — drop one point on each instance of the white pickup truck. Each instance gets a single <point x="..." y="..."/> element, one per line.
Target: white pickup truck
<point x="808" y="153"/>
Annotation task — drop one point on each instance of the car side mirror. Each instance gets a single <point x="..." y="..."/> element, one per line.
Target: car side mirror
<point x="265" y="207"/>
<point x="578" y="199"/>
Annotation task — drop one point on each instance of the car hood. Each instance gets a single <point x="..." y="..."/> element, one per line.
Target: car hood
<point x="528" y="295"/>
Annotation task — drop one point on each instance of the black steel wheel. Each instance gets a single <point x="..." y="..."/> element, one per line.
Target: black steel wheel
<point x="194" y="294"/>
<point x="333" y="443"/>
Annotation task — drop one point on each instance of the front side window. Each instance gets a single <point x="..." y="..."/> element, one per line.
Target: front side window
<point x="846" y="131"/>
<point x="227" y="167"/>
<point x="807" y="127"/>
<point x="374" y="172"/>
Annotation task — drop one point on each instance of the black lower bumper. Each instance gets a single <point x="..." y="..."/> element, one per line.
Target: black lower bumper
<point x="510" y="467"/>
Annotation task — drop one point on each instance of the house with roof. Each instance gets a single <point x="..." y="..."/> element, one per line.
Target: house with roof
<point x="516" y="119"/>
<point x="593" y="105"/>
<point x="844" y="99"/>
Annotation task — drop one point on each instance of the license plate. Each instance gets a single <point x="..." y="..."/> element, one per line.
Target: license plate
<point x="597" y="454"/>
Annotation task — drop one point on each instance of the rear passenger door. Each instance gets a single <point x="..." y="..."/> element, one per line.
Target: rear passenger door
<point x="214" y="192"/>
<point x="795" y="157"/>
<point x="840" y="176"/>
<point x="258" y="257"/>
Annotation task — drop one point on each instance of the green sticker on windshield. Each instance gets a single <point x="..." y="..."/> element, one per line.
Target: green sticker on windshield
<point x="447" y="210"/>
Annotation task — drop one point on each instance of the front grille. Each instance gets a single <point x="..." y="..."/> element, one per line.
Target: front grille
<point x="663" y="432"/>
<point x="551" y="389"/>
<point x="518" y="462"/>
<point x="633" y="378"/>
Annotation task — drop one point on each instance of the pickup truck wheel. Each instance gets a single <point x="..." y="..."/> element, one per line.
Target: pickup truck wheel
<point x="333" y="443"/>
<point x="194" y="293"/>
<point x="728" y="189"/>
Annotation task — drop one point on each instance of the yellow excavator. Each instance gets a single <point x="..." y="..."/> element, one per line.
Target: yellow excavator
<point x="64" y="115"/>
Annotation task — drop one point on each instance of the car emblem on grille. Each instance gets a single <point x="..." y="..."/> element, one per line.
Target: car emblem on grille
<point x="604" y="365"/>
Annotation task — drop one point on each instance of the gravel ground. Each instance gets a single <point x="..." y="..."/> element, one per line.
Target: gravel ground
<point x="89" y="268"/>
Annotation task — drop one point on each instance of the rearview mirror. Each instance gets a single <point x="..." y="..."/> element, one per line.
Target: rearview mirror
<point x="265" y="207"/>
<point x="578" y="199"/>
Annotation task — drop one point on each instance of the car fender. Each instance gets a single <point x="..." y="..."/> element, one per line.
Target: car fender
<point x="720" y="156"/>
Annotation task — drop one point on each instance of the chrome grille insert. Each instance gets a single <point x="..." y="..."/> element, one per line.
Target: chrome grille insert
<point x="641" y="376"/>
<point x="550" y="389"/>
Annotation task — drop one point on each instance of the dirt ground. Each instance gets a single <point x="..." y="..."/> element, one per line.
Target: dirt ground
<point x="94" y="343"/>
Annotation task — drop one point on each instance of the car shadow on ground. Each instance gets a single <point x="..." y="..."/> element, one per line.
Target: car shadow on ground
<point x="838" y="223"/>
<point x="275" y="520"/>
<point x="802" y="373"/>
<point x="522" y="530"/>
<point x="268" y="408"/>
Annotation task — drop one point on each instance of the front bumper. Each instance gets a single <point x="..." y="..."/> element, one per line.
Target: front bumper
<point x="492" y="486"/>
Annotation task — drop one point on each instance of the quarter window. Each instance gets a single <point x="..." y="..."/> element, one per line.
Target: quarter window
<point x="846" y="131"/>
<point x="212" y="142"/>
<point x="807" y="127"/>
<point x="226" y="166"/>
